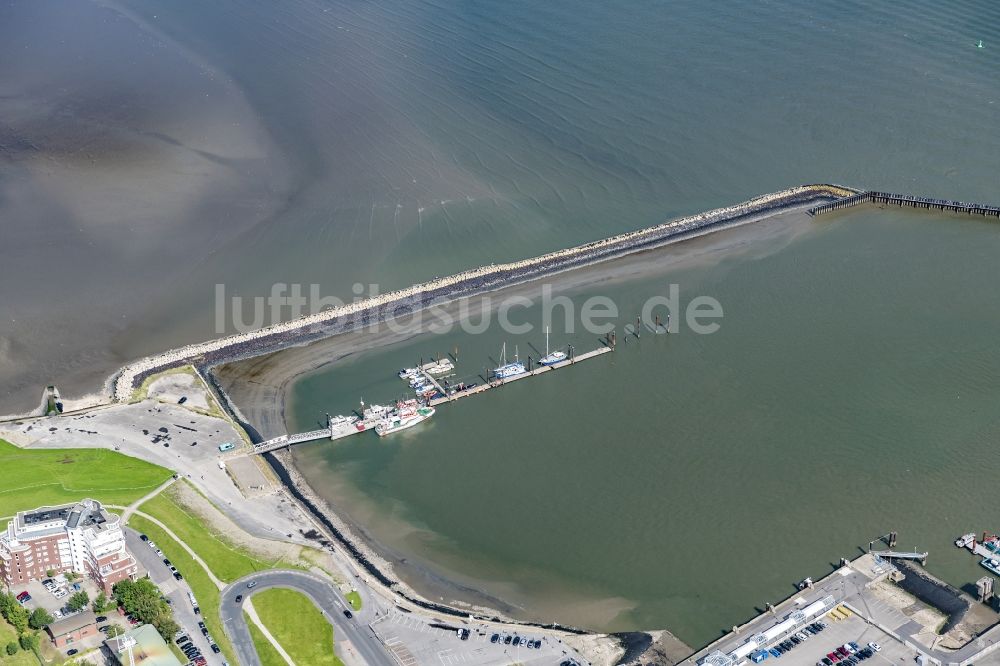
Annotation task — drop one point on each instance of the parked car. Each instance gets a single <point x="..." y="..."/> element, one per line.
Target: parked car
<point x="70" y="653"/>
<point x="494" y="638"/>
<point x="875" y="647"/>
<point x="215" y="648"/>
<point x="151" y="544"/>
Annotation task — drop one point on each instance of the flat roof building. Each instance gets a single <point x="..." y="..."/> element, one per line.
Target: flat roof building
<point x="81" y="537"/>
<point x="149" y="648"/>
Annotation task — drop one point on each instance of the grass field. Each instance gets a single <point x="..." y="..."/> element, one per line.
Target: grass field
<point x="227" y="561"/>
<point x="22" y="658"/>
<point x="204" y="589"/>
<point x="289" y="616"/>
<point x="268" y="655"/>
<point x="354" y="599"/>
<point x="31" y="478"/>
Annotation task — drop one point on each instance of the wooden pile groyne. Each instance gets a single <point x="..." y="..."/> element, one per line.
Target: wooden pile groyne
<point x="906" y="201"/>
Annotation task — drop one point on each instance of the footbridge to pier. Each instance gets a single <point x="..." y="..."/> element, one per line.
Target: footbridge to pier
<point x="900" y="555"/>
<point x="332" y="431"/>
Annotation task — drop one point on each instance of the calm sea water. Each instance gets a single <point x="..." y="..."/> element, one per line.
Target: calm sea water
<point x="321" y="141"/>
<point x="334" y="142"/>
<point x="682" y="481"/>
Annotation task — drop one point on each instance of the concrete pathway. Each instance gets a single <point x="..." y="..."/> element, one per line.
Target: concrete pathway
<point x="131" y="508"/>
<point x="252" y="613"/>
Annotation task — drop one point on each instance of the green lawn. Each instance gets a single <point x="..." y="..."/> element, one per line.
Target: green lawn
<point x="22" y="658"/>
<point x="268" y="655"/>
<point x="204" y="589"/>
<point x="227" y="561"/>
<point x="354" y="599"/>
<point x="31" y="478"/>
<point x="298" y="626"/>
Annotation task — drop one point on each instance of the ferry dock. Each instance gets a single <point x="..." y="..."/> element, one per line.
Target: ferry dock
<point x="875" y="598"/>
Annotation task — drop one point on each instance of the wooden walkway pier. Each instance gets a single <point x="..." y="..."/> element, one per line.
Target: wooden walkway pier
<point x="496" y="383"/>
<point x="906" y="201"/>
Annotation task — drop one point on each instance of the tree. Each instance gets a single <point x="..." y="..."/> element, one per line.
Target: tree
<point x="12" y="649"/>
<point x="166" y="626"/>
<point x="29" y="642"/>
<point x="40" y="618"/>
<point x="143" y="601"/>
<point x="50" y="572"/>
<point x="114" y="630"/>
<point x="78" y="601"/>
<point x="101" y="603"/>
<point x="13" y="612"/>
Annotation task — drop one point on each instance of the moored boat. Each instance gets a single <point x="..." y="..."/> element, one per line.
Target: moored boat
<point x="551" y="358"/>
<point x="406" y="415"/>
<point x="991" y="563"/>
<point x="337" y="421"/>
<point x="440" y="367"/>
<point x="371" y="415"/>
<point x="964" y="540"/>
<point x="507" y="370"/>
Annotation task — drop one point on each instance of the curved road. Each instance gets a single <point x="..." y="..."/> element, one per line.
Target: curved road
<point x="356" y="631"/>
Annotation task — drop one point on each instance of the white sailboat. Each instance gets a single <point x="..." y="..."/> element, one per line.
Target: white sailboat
<point x="551" y="358"/>
<point x="507" y="370"/>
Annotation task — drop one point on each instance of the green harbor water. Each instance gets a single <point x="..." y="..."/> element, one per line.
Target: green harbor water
<point x="686" y="479"/>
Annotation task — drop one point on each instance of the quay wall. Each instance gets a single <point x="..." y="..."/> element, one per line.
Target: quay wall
<point x="479" y="280"/>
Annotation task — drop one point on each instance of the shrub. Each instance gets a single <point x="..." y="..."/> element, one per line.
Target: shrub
<point x="12" y="649"/>
<point x="29" y="642"/>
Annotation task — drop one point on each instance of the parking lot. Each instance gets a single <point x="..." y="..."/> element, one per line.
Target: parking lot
<point x="414" y="641"/>
<point x="54" y="601"/>
<point x="176" y="591"/>
<point x="55" y="605"/>
<point x="839" y="632"/>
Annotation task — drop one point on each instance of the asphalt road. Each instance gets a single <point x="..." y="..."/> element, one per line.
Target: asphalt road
<point x="175" y="590"/>
<point x="356" y="630"/>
